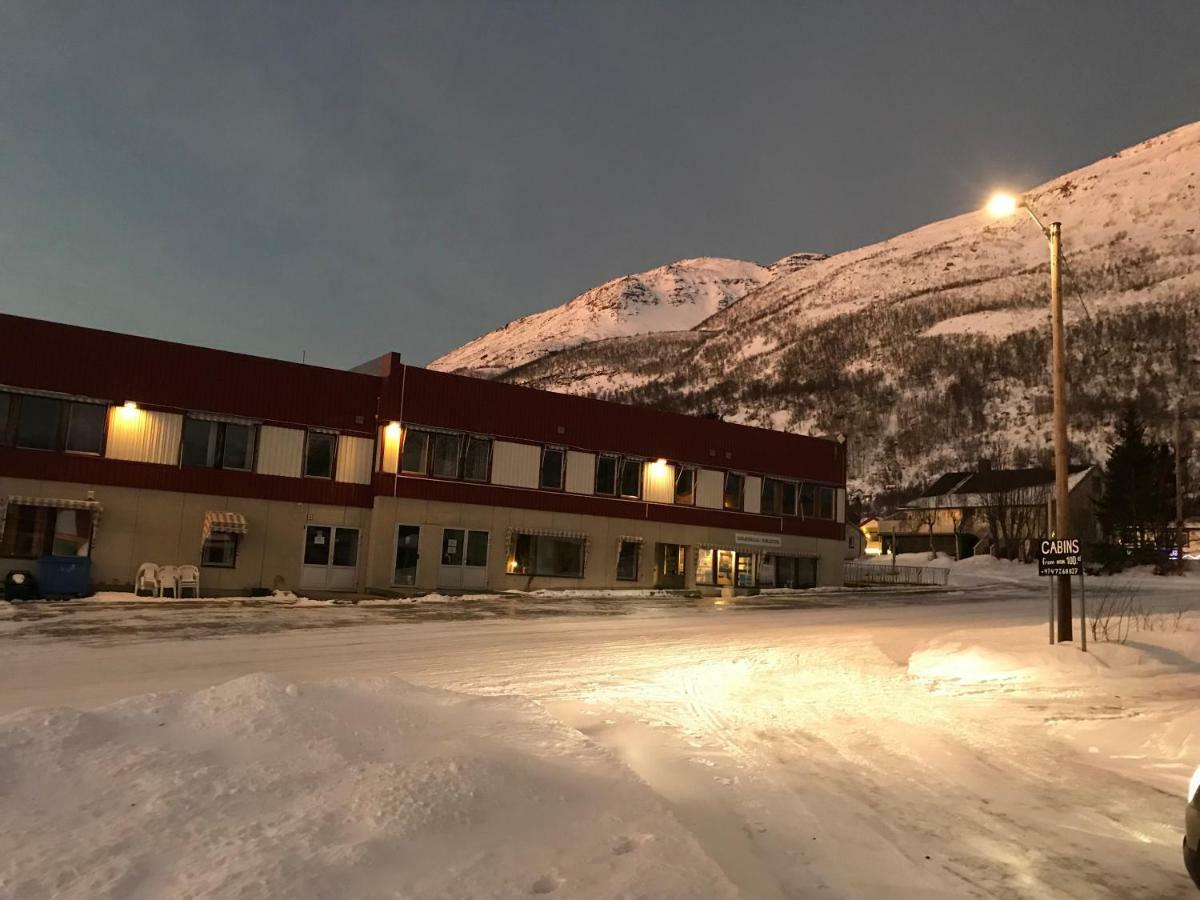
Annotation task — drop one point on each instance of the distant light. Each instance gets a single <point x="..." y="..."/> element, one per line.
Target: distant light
<point x="1002" y="204"/>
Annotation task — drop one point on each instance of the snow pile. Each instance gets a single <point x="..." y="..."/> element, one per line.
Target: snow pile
<point x="366" y="788"/>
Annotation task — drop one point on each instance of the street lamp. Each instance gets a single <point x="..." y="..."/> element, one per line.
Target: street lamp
<point x="1000" y="205"/>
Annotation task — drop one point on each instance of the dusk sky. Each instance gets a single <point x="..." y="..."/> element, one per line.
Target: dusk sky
<point x="350" y="178"/>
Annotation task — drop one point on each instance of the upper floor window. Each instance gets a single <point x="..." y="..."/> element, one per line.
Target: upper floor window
<point x="606" y="474"/>
<point x="685" y="485"/>
<point x="735" y="487"/>
<point x="218" y="445"/>
<point x="48" y="423"/>
<point x="554" y="469"/>
<point x="778" y="497"/>
<point x="631" y="478"/>
<point x="320" y="450"/>
<point x="808" y="500"/>
<point x="825" y="503"/>
<point x="477" y="459"/>
<point x="414" y="457"/>
<point x="444" y="460"/>
<point x="446" y="454"/>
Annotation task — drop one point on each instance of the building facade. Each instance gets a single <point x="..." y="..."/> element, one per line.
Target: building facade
<point x="388" y="478"/>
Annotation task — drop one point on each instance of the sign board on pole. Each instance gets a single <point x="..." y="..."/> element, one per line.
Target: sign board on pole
<point x="1060" y="557"/>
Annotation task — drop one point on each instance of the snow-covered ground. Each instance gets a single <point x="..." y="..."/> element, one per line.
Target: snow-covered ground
<point x="930" y="746"/>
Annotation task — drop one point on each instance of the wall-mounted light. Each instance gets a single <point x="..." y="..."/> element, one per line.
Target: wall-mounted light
<point x="392" y="431"/>
<point x="660" y="461"/>
<point x="129" y="410"/>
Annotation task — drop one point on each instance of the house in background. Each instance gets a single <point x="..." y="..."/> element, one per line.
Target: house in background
<point x="998" y="511"/>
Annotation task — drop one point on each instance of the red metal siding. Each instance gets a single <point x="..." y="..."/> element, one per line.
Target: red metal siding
<point x="553" y="501"/>
<point x="443" y="400"/>
<point x="53" y="357"/>
<point x="43" y="466"/>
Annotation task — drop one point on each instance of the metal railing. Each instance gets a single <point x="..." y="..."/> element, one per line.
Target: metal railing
<point x="864" y="573"/>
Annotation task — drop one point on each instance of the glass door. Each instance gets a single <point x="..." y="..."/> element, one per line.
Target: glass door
<point x="330" y="558"/>
<point x="464" y="559"/>
<point x="408" y="538"/>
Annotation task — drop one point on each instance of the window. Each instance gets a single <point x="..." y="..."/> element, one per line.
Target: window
<point x="85" y="428"/>
<point x="220" y="551"/>
<point x="477" y="459"/>
<point x="218" y="445"/>
<point x="825" y="503"/>
<point x="627" y="560"/>
<point x="553" y="469"/>
<point x="808" y="500"/>
<point x="735" y="484"/>
<point x="535" y="554"/>
<point x="319" y="452"/>
<point x="445" y="457"/>
<point x="606" y="475"/>
<point x="631" y="478"/>
<point x="685" y="486"/>
<point x="31" y="532"/>
<point x="461" y="547"/>
<point x="345" y="547"/>
<point x="704" y="566"/>
<point x="477" y="548"/>
<point x="778" y="497"/>
<point x="38" y="422"/>
<point x="416" y="447"/>
<point x="47" y="423"/>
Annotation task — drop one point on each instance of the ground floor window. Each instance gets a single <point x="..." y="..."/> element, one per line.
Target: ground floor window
<point x="715" y="566"/>
<point x="628" y="554"/>
<point x="220" y="551"/>
<point x="537" y="554"/>
<point x="31" y="532"/>
<point x="789" y="572"/>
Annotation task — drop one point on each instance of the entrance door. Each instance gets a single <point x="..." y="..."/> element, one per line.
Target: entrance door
<point x="745" y="570"/>
<point x="725" y="567"/>
<point x="408" y="538"/>
<point x="464" y="559"/>
<point x="669" y="565"/>
<point x="330" y="558"/>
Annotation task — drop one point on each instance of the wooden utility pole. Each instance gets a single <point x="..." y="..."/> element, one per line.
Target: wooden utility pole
<point x="1180" y="532"/>
<point x="1058" y="369"/>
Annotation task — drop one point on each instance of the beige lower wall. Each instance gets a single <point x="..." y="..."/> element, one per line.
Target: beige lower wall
<point x="600" y="570"/>
<point x="166" y="527"/>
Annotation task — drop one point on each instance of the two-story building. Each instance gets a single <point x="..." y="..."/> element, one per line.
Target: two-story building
<point x="387" y="478"/>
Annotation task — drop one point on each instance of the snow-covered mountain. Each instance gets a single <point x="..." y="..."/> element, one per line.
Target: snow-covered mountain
<point x="674" y="297"/>
<point x="929" y="349"/>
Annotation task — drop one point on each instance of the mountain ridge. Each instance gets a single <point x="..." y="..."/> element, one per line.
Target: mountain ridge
<point x="928" y="348"/>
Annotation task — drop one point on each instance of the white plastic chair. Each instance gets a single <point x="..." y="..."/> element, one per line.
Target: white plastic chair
<point x="189" y="580"/>
<point x="168" y="577"/>
<point x="147" y="579"/>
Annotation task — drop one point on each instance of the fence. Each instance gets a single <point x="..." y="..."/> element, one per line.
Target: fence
<point x="863" y="573"/>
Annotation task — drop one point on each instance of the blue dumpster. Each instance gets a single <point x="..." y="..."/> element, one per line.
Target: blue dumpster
<point x="64" y="576"/>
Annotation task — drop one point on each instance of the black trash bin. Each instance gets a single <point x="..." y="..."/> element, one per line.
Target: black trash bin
<point x="20" y="585"/>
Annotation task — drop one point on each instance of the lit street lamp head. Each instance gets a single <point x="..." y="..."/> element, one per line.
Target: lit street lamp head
<point x="1002" y="204"/>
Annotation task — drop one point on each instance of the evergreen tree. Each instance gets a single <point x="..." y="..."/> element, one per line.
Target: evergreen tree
<point x="1137" y="499"/>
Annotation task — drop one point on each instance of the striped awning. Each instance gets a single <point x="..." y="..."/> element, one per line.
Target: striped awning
<point x="93" y="506"/>
<point x="224" y="522"/>
<point x="548" y="532"/>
